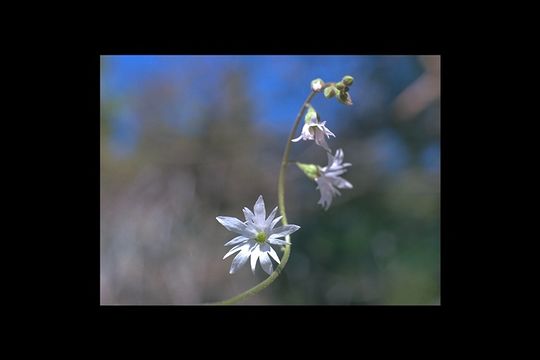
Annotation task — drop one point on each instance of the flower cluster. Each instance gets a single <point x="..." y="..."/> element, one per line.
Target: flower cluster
<point x="257" y="233"/>
<point x="328" y="178"/>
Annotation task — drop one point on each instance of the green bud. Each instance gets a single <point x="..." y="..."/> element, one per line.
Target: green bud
<point x="310" y="114"/>
<point x="345" y="98"/>
<point x="330" y="92"/>
<point x="317" y="84"/>
<point x="340" y="86"/>
<point x="311" y="170"/>
<point x="347" y="80"/>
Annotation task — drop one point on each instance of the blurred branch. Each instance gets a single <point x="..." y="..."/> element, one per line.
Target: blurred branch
<point x="422" y="92"/>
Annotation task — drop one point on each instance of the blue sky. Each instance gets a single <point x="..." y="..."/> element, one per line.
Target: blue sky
<point x="277" y="86"/>
<point x="279" y="83"/>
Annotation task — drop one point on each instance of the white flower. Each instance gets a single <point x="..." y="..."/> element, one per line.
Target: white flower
<point x="256" y="235"/>
<point x="313" y="130"/>
<point x="330" y="178"/>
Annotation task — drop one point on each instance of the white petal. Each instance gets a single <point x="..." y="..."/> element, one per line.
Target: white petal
<point x="298" y="138"/>
<point x="275" y="241"/>
<point x="235" y="249"/>
<point x="239" y="260"/>
<point x="325" y="201"/>
<point x="309" y="131"/>
<point x="266" y="263"/>
<point x="236" y="240"/>
<point x="327" y="132"/>
<point x="260" y="211"/>
<point x="339" y="156"/>
<point x="326" y="192"/>
<point x="270" y="251"/>
<point x="334" y="171"/>
<point x="338" y="160"/>
<point x="254" y="257"/>
<point x="342" y="183"/>
<point x="248" y="214"/>
<point x="270" y="218"/>
<point x="232" y="224"/>
<point x="276" y="220"/>
<point x="284" y="230"/>
<point x="326" y="184"/>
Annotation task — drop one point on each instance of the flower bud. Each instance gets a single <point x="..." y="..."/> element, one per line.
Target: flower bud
<point x="311" y="170"/>
<point x="340" y="86"/>
<point x="317" y="84"/>
<point x="330" y="92"/>
<point x="344" y="98"/>
<point x="347" y="80"/>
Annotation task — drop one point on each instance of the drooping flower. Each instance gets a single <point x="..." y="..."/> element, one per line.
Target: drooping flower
<point x="330" y="178"/>
<point x="255" y="236"/>
<point x="315" y="130"/>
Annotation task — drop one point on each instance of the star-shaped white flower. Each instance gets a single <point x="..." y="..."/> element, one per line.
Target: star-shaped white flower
<point x="330" y="178"/>
<point x="256" y="235"/>
<point x="314" y="130"/>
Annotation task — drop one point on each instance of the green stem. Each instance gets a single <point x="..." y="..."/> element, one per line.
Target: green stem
<point x="285" y="160"/>
<point x="281" y="203"/>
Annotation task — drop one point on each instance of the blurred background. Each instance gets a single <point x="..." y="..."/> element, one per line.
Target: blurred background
<point x="187" y="138"/>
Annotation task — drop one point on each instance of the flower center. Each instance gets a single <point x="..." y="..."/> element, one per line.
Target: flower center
<point x="260" y="237"/>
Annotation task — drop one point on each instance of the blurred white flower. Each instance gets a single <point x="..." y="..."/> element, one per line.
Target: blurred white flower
<point x="329" y="179"/>
<point x="256" y="235"/>
<point x="314" y="130"/>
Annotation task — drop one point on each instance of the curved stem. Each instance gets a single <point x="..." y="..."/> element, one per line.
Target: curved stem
<point x="284" y="161"/>
<point x="281" y="203"/>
